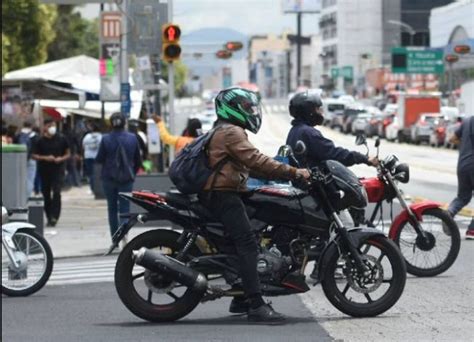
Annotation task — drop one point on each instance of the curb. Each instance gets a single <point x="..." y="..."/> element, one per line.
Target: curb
<point x="469" y="212"/>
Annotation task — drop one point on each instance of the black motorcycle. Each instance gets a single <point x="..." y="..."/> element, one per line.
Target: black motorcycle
<point x="163" y="274"/>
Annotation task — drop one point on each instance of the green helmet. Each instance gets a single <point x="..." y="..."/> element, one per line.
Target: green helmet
<point x="240" y="107"/>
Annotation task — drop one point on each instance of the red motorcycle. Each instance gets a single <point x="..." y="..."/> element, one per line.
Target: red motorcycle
<point x="427" y="236"/>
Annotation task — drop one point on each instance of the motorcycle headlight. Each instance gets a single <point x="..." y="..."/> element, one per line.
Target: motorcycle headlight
<point x="390" y="161"/>
<point x="402" y="173"/>
<point x="4" y="215"/>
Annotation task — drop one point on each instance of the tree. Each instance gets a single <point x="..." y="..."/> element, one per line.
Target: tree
<point x="74" y="35"/>
<point x="27" y="28"/>
<point x="180" y="73"/>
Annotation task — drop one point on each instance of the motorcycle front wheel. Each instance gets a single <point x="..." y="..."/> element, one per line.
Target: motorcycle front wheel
<point x="148" y="295"/>
<point x="370" y="294"/>
<point x="428" y="258"/>
<point x="36" y="258"/>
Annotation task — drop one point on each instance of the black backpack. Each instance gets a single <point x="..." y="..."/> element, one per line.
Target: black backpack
<point x="190" y="170"/>
<point x="124" y="171"/>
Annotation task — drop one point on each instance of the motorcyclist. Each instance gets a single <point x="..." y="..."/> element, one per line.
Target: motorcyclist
<point x="237" y="110"/>
<point x="306" y="108"/>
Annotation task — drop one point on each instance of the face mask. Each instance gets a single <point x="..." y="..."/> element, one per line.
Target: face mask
<point x="26" y="130"/>
<point x="52" y="130"/>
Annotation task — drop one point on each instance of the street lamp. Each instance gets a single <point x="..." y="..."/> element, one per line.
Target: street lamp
<point x="410" y="29"/>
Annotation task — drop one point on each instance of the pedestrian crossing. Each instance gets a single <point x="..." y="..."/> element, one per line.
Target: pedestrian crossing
<point x="78" y="271"/>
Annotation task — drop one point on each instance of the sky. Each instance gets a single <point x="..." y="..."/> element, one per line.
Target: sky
<point x="247" y="16"/>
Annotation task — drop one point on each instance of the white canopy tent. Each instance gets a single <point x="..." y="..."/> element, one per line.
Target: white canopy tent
<point x="76" y="75"/>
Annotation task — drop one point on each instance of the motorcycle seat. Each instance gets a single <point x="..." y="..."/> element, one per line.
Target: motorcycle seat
<point x="178" y="200"/>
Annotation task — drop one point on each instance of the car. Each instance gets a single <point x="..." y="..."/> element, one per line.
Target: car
<point x="207" y="118"/>
<point x="360" y="122"/>
<point x="350" y="112"/>
<point x="348" y="99"/>
<point x="450" y="112"/>
<point x="371" y="128"/>
<point x="421" y="129"/>
<point x="332" y="108"/>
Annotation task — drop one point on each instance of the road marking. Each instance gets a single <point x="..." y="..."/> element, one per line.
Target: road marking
<point x="82" y="272"/>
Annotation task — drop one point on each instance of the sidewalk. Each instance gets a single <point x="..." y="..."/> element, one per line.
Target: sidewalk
<point x="83" y="228"/>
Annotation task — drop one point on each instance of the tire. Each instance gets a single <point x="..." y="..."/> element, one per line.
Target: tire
<point x="406" y="245"/>
<point x="128" y="293"/>
<point x="369" y="309"/>
<point x="48" y="269"/>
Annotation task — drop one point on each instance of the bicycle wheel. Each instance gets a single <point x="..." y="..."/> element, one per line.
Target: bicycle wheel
<point x="438" y="253"/>
<point x="36" y="259"/>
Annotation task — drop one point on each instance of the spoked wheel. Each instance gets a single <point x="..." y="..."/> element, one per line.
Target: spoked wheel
<point x="151" y="296"/>
<point x="35" y="259"/>
<point x="430" y="256"/>
<point x="369" y="294"/>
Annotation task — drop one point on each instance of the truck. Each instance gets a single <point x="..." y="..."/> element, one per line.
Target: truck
<point x="410" y="108"/>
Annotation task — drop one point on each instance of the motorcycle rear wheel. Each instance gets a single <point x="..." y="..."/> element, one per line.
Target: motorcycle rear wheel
<point x="39" y="258"/>
<point x="435" y="260"/>
<point x="131" y="281"/>
<point x="357" y="297"/>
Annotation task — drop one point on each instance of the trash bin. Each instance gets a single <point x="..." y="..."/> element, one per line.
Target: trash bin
<point x="35" y="213"/>
<point x="14" y="176"/>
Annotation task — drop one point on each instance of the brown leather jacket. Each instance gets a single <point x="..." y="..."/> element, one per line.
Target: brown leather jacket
<point x="232" y="141"/>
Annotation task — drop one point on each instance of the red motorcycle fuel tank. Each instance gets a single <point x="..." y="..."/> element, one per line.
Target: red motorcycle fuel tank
<point x="375" y="189"/>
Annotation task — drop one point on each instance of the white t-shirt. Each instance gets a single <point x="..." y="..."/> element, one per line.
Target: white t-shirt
<point x="90" y="144"/>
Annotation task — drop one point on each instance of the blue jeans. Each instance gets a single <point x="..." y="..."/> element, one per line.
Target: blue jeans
<point x="115" y="204"/>
<point x="89" y="171"/>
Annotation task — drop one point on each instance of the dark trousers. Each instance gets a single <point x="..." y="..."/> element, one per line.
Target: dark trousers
<point x="51" y="183"/>
<point x="230" y="210"/>
<point x="89" y="171"/>
<point x="115" y="204"/>
<point x="72" y="177"/>
<point x="465" y="190"/>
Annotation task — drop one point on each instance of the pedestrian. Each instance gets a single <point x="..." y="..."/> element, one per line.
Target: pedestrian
<point x="119" y="154"/>
<point x="51" y="151"/>
<point x="29" y="138"/>
<point x="464" y="136"/>
<point x="90" y="148"/>
<point x="72" y="174"/>
<point x="191" y="132"/>
<point x="5" y="138"/>
<point x="134" y="128"/>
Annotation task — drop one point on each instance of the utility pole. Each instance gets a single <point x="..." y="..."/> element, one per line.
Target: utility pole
<point x="124" y="77"/>
<point x="298" y="49"/>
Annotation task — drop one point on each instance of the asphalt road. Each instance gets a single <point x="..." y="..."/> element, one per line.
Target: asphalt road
<point x="93" y="312"/>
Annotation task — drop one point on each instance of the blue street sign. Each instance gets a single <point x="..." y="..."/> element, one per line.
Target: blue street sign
<point x="125" y="99"/>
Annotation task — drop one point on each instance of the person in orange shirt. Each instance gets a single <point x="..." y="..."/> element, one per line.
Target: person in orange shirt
<point x="192" y="130"/>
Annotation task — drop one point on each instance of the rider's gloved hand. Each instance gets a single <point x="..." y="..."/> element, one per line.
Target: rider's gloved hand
<point x="301" y="180"/>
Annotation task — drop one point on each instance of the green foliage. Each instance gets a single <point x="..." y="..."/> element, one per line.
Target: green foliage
<point x="27" y="27"/>
<point x="180" y="73"/>
<point x="74" y="35"/>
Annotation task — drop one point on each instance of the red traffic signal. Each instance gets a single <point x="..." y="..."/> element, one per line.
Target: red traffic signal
<point x="451" y="58"/>
<point x="171" y="33"/>
<point x="223" y="54"/>
<point x="234" y="46"/>
<point x="462" y="49"/>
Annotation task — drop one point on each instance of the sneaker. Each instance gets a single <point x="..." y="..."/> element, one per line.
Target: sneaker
<point x="53" y="222"/>
<point x="470" y="234"/>
<point x="265" y="314"/>
<point x="239" y="305"/>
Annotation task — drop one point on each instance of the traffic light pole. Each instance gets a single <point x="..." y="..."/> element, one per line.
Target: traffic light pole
<point x="298" y="49"/>
<point x="172" y="122"/>
<point x="124" y="77"/>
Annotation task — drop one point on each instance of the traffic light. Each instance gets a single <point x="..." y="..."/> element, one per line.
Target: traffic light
<point x="234" y="46"/>
<point x="451" y="58"/>
<point x="462" y="49"/>
<point x="223" y="54"/>
<point x="171" y="50"/>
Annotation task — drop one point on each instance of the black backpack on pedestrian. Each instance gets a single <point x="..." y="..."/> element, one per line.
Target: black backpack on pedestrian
<point x="124" y="171"/>
<point x="190" y="170"/>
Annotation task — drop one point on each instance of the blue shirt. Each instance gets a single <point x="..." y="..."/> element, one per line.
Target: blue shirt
<point x="320" y="148"/>
<point x="108" y="149"/>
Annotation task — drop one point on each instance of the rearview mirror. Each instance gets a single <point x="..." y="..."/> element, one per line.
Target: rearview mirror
<point x="360" y="140"/>
<point x="300" y="148"/>
<point x="284" y="151"/>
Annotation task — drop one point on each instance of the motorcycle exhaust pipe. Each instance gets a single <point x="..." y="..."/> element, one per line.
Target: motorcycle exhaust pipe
<point x="172" y="268"/>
